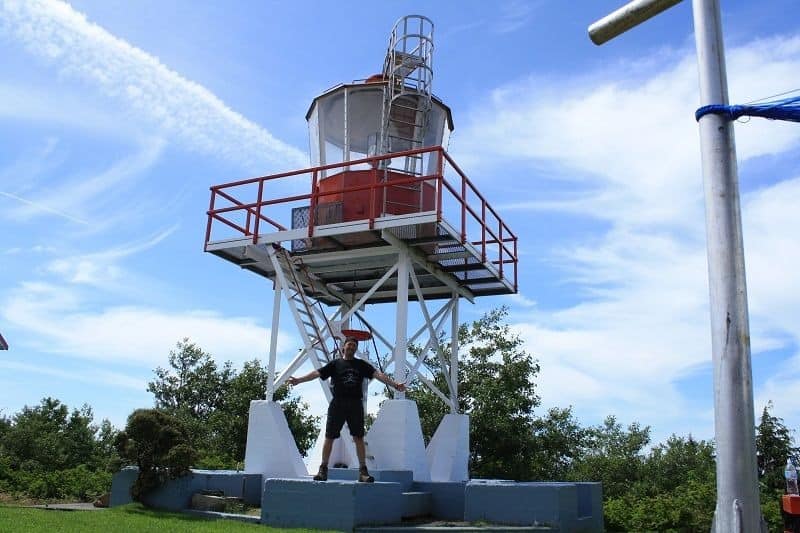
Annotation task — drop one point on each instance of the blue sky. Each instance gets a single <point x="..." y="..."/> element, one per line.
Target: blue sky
<point x="116" y="117"/>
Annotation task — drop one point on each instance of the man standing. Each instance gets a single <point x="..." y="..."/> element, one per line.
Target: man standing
<point x="346" y="373"/>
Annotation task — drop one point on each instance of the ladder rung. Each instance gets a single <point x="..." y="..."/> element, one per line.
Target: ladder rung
<point x="407" y="139"/>
<point x="398" y="121"/>
<point x="395" y="105"/>
<point x="297" y="296"/>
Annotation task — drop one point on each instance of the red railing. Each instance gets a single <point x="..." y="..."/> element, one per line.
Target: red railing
<point x="478" y="223"/>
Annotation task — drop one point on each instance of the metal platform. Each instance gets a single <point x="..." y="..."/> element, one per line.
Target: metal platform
<point x="461" y="245"/>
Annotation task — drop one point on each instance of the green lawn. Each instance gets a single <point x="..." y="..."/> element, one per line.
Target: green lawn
<point x="133" y="518"/>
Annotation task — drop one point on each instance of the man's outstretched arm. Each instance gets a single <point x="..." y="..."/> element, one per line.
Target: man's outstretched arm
<point x="383" y="378"/>
<point x="314" y="374"/>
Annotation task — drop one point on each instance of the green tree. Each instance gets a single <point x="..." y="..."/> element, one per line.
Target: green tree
<point x="159" y="445"/>
<point x="774" y="444"/>
<point x="496" y="389"/>
<point x="229" y="421"/>
<point x="48" y="437"/>
<point x="48" y="451"/>
<point x="679" y="460"/>
<point x="673" y="491"/>
<point x="213" y="403"/>
<point x="558" y="442"/>
<point x="613" y="455"/>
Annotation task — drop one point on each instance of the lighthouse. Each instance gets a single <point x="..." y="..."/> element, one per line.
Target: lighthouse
<point x="383" y="215"/>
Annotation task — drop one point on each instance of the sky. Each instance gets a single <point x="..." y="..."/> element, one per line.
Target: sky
<point x="116" y="117"/>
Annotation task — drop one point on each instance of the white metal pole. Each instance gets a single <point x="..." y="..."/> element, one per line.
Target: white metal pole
<point x="630" y="15"/>
<point x="401" y="330"/>
<point x="737" y="480"/>
<point x="454" y="355"/>
<point x="273" y="341"/>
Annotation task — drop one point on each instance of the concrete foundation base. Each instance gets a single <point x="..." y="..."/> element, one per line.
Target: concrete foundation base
<point x="343" y="504"/>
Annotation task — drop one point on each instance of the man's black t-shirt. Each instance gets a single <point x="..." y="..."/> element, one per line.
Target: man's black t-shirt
<point x="347" y="376"/>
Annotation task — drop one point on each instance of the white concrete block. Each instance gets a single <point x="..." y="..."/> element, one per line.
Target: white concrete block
<point x="448" y="451"/>
<point x="271" y="449"/>
<point x="394" y="442"/>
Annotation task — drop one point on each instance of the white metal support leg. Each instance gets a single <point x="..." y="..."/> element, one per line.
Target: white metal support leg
<point x="395" y="438"/>
<point x="448" y="450"/>
<point x="273" y="341"/>
<point x="271" y="449"/>
<point x="454" y="354"/>
<point x="401" y="331"/>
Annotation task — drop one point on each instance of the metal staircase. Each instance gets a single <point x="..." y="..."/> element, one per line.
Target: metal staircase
<point x="316" y="331"/>
<point x="408" y="68"/>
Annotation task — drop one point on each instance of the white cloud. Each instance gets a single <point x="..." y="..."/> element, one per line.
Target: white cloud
<point x="92" y="376"/>
<point x="101" y="269"/>
<point x="628" y="138"/>
<point x="83" y="196"/>
<point x="622" y="146"/>
<point x="180" y="108"/>
<point x="55" y="320"/>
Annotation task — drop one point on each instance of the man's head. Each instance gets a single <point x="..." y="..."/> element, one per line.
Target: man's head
<point x="350" y="346"/>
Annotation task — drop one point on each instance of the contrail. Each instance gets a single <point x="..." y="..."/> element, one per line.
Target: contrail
<point x="43" y="208"/>
<point x="181" y="108"/>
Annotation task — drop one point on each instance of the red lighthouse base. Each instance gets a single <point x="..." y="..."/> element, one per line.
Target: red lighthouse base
<point x="364" y="194"/>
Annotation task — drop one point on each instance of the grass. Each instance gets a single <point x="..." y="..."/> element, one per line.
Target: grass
<point x="132" y="518"/>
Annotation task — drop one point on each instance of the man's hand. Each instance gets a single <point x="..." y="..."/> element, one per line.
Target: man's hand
<point x="293" y="381"/>
<point x="401" y="387"/>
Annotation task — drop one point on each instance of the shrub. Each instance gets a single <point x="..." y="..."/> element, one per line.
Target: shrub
<point x="157" y="443"/>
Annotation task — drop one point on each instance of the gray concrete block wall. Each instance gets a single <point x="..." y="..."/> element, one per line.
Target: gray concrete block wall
<point x="590" y="506"/>
<point x="339" y="505"/>
<point x="176" y="494"/>
<point x="447" y="498"/>
<point x="416" y="504"/>
<point x="522" y="504"/>
<point x="121" y="484"/>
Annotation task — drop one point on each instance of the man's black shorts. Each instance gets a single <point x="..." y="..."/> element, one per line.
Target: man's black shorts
<point x="341" y="410"/>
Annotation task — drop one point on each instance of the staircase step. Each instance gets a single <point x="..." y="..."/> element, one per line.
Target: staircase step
<point x="416" y="504"/>
<point x="404" y="477"/>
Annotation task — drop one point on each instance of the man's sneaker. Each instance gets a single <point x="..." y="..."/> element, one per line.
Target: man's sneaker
<point x="322" y="475"/>
<point x="364" y="477"/>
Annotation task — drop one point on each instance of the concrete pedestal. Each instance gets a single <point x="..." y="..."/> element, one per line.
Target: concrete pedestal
<point x="394" y="442"/>
<point x="448" y="451"/>
<point x="271" y="449"/>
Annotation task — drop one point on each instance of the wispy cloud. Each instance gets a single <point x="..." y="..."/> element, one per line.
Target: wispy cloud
<point x="513" y="15"/>
<point x="55" y="319"/>
<point x="41" y="207"/>
<point x="93" y="376"/>
<point x="180" y="108"/>
<point x="509" y="16"/>
<point x="621" y="146"/>
<point x="87" y="197"/>
<point x="103" y="269"/>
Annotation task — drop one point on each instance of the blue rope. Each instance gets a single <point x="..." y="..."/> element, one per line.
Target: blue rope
<point x="786" y="109"/>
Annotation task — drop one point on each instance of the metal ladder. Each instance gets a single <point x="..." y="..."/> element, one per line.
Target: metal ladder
<point x="408" y="68"/>
<point x="311" y="321"/>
